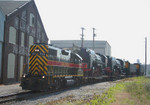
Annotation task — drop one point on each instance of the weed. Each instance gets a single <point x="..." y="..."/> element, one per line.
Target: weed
<point x="135" y="90"/>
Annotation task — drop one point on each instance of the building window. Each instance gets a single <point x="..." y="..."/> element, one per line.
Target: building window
<point x="12" y="35"/>
<point x="21" y="66"/>
<point x="11" y="65"/>
<point x="30" y="41"/>
<point x="22" y="39"/>
<point x="16" y="23"/>
<point x="22" y="25"/>
<point x="38" y="41"/>
<point x="32" y="20"/>
<point x="23" y="15"/>
<point x="38" y="30"/>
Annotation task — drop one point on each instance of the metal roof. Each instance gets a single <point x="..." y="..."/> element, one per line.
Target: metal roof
<point x="10" y="6"/>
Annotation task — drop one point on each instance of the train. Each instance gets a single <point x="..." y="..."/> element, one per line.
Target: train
<point x="51" y="67"/>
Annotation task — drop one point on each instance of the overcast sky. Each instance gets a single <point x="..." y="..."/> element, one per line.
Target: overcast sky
<point x="123" y="23"/>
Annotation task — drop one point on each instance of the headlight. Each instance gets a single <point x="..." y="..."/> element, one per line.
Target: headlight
<point x="43" y="77"/>
<point x="24" y="75"/>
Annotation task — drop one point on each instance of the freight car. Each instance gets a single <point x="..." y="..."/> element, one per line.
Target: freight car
<point x="133" y="69"/>
<point x="94" y="64"/>
<point x="114" y="68"/>
<point x="104" y="61"/>
<point x="100" y="66"/>
<point x="51" y="67"/>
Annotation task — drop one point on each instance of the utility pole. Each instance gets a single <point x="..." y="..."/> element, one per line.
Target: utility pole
<point x="93" y="37"/>
<point x="145" y="55"/>
<point x="82" y="35"/>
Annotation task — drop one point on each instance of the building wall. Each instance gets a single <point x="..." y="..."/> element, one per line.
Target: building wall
<point x="2" y="19"/>
<point x="108" y="49"/>
<point x="22" y="29"/>
<point x="102" y="47"/>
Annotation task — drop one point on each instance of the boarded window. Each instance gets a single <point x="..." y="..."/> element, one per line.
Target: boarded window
<point x="32" y="20"/>
<point x="21" y="66"/>
<point x="30" y="41"/>
<point x="23" y="15"/>
<point x="11" y="65"/>
<point x="22" y="39"/>
<point x="12" y="35"/>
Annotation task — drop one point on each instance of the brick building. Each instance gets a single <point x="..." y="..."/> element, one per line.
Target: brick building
<point x="22" y="28"/>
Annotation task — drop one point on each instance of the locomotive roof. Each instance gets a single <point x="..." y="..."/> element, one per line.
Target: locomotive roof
<point x="56" y="48"/>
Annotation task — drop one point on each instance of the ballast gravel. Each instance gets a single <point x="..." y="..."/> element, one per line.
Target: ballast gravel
<point x="83" y="92"/>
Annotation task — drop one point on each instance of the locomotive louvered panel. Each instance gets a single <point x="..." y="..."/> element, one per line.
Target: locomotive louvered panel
<point x="38" y="59"/>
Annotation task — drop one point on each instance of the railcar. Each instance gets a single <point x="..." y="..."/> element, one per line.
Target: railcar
<point x="94" y="64"/>
<point x="134" y="69"/>
<point x="122" y="66"/>
<point x="104" y="61"/>
<point x="51" y="67"/>
<point x="139" y="69"/>
<point x="113" y="69"/>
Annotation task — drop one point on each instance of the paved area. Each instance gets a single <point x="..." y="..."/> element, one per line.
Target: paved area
<point x="10" y="89"/>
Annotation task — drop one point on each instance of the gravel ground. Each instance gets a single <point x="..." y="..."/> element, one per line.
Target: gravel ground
<point x="83" y="92"/>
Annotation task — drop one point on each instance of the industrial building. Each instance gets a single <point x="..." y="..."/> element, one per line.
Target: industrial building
<point x="20" y="27"/>
<point x="102" y="47"/>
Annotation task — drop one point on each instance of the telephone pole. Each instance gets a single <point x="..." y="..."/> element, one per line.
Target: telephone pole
<point x="93" y="37"/>
<point x="145" y="55"/>
<point x="82" y="35"/>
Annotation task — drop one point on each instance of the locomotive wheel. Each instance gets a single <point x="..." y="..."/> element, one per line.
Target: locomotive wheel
<point x="58" y="85"/>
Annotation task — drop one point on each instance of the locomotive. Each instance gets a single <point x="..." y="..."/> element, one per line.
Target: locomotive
<point x="53" y="68"/>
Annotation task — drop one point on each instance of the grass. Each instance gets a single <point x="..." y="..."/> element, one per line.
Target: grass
<point x="131" y="91"/>
<point x="140" y="89"/>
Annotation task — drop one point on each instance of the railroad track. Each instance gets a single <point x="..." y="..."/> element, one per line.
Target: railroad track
<point x="12" y="97"/>
<point x="31" y="94"/>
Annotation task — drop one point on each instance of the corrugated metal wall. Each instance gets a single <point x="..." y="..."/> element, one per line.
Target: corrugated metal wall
<point x="2" y="19"/>
<point x="102" y="47"/>
<point x="0" y="58"/>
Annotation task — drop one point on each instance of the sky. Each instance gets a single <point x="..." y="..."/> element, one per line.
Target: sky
<point x="124" y="24"/>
